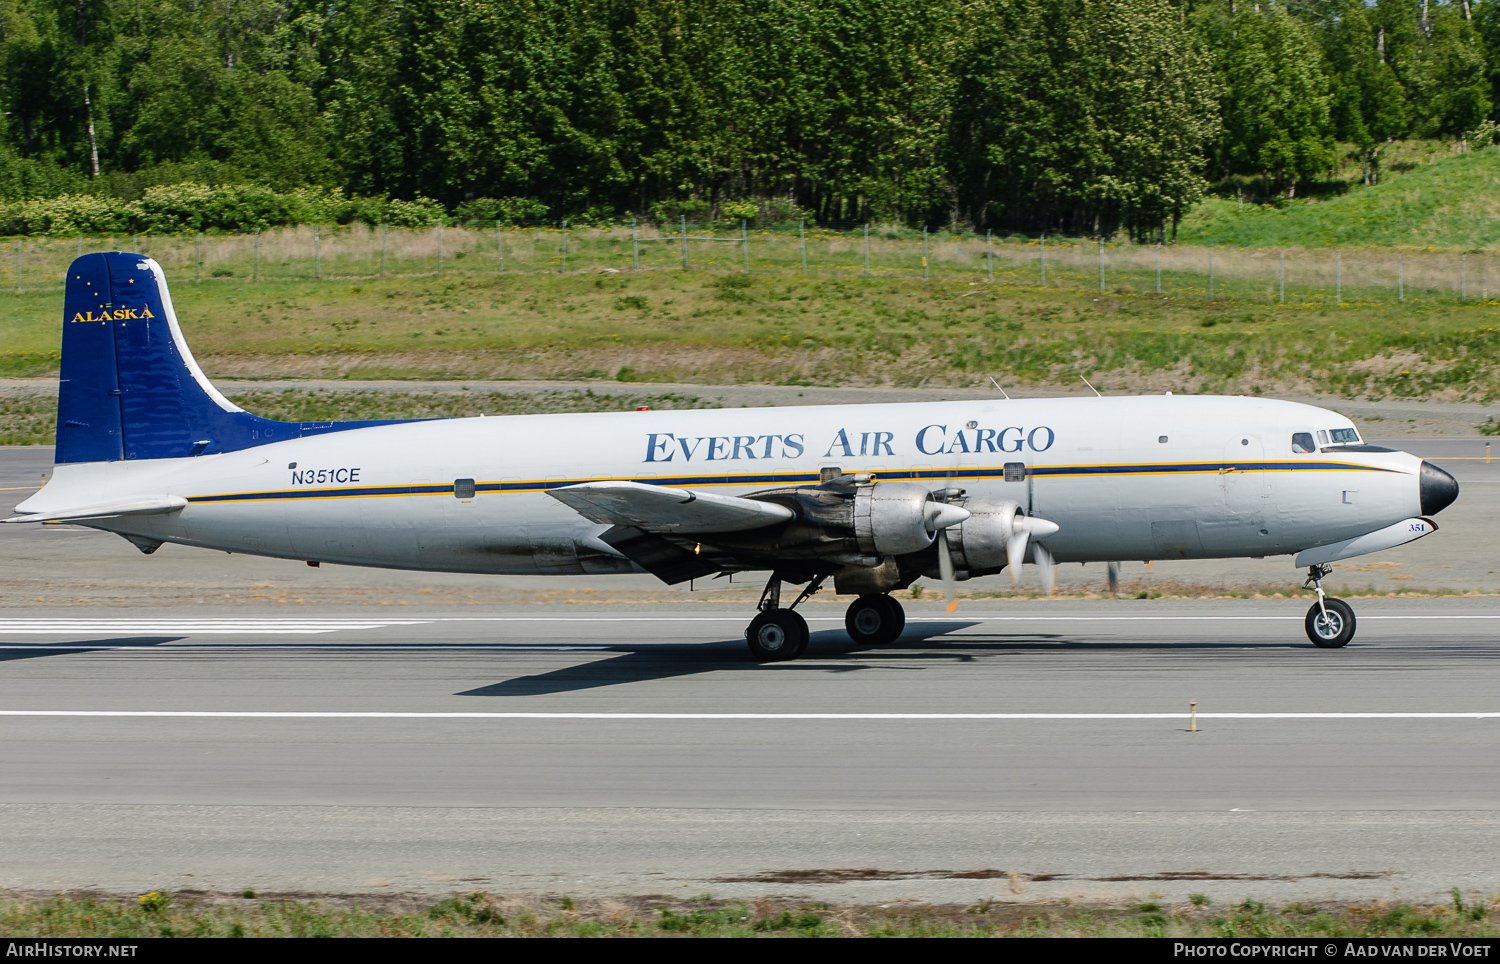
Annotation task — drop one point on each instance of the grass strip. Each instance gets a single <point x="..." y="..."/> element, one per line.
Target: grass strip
<point x="197" y="914"/>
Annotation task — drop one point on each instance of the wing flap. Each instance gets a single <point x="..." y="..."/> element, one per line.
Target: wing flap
<point x="657" y="508"/>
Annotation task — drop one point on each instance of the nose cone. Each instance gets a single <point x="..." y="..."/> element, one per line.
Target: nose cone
<point x="1439" y="489"/>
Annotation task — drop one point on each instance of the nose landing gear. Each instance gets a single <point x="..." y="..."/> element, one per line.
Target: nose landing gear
<point x="1330" y="622"/>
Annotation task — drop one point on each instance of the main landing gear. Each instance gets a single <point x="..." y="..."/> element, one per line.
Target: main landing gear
<point x="776" y="635"/>
<point x="1330" y="622"/>
<point x="874" y="620"/>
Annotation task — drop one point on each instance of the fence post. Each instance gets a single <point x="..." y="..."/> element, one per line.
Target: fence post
<point x="565" y="247"/>
<point x="924" y="253"/>
<point x="317" y="255"/>
<point x="1463" y="277"/>
<point x="989" y="251"/>
<point x="1101" y="264"/>
<point x="635" y="246"/>
<point x="682" y="223"/>
<point x="745" y="243"/>
<point x="1158" y="269"/>
<point x="802" y="237"/>
<point x="80" y="246"/>
<point x="197" y="255"/>
<point x="440" y="245"/>
<point x="1400" y="280"/>
<point x="1338" y="277"/>
<point x="1283" y="277"/>
<point x="867" y="249"/>
<point x="499" y="249"/>
<point x="385" y="229"/>
<point x="20" y="246"/>
<point x="1210" y="273"/>
<point x="255" y="275"/>
<point x="1044" y="259"/>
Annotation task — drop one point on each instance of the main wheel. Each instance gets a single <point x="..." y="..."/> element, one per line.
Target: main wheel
<point x="874" y="620"/>
<point x="1331" y="629"/>
<point x="776" y="635"/>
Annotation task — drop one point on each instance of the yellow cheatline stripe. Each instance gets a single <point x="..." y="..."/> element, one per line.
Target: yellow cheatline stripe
<point x="17" y="488"/>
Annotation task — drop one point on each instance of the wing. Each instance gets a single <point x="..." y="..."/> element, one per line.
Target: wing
<point x="106" y="510"/>
<point x="656" y="508"/>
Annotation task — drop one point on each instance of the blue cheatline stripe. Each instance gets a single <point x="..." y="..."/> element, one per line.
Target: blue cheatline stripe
<point x="793" y="478"/>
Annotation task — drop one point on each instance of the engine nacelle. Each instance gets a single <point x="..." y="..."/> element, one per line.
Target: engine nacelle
<point x="893" y="519"/>
<point x="978" y="543"/>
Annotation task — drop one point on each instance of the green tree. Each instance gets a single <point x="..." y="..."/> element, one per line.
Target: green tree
<point x="1274" y="94"/>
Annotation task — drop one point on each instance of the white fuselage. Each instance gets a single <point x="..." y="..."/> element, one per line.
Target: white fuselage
<point x="1148" y="477"/>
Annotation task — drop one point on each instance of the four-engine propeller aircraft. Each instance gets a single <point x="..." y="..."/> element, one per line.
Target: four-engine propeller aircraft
<point x="871" y="496"/>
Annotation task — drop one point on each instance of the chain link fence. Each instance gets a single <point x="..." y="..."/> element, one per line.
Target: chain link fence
<point x="338" y="253"/>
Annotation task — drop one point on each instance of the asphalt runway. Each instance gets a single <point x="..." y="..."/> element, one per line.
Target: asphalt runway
<point x="629" y="751"/>
<point x="192" y="720"/>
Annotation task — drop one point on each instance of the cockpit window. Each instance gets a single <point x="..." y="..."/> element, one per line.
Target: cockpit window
<point x="1344" y="436"/>
<point x="1302" y="443"/>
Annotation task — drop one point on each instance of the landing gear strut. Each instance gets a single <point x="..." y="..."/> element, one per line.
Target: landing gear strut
<point x="874" y="620"/>
<point x="1330" y="622"/>
<point x="776" y="635"/>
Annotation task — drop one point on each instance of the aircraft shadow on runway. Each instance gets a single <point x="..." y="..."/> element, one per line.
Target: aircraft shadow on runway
<point x="827" y="651"/>
<point x="831" y="651"/>
<point x="74" y="647"/>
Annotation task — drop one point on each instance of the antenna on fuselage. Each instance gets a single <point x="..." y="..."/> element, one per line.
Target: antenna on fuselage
<point x="998" y="388"/>
<point x="1090" y="385"/>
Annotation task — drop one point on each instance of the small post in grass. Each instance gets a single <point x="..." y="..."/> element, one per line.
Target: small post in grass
<point x="1463" y="277"/>
<point x="1283" y="277"/>
<point x="1210" y="273"/>
<point x="1338" y="277"/>
<point x="745" y="243"/>
<point x="924" y="253"/>
<point x="255" y="273"/>
<point x="20" y="246"/>
<point x="1193" y="716"/>
<point x="635" y="246"/>
<point x="1101" y="264"/>
<point x="1044" y="259"/>
<point x="1158" y="269"/>
<point x="500" y="247"/>
<point x="317" y="255"/>
<point x="385" y="229"/>
<point x="197" y="255"/>
<point x="867" y="249"/>
<point x="565" y="248"/>
<point x="682" y="221"/>
<point x="1400" y="280"/>
<point x="802" y="237"/>
<point x="989" y="251"/>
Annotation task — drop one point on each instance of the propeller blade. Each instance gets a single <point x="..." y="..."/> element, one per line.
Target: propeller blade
<point x="945" y="569"/>
<point x="1015" y="551"/>
<point x="1045" y="568"/>
<point x="1114" y="578"/>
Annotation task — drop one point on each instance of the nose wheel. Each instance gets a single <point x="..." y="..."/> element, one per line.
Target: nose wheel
<point x="874" y="620"/>
<point x="1330" y="622"/>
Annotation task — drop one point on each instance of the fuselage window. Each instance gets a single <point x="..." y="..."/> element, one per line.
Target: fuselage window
<point x="1344" y="436"/>
<point x="1302" y="443"/>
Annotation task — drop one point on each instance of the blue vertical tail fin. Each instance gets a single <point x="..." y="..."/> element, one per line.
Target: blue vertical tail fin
<point x="130" y="387"/>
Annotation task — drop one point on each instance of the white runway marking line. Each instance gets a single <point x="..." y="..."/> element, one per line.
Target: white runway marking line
<point x="376" y="715"/>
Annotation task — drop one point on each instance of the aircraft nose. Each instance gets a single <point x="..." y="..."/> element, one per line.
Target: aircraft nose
<point x="1439" y="489"/>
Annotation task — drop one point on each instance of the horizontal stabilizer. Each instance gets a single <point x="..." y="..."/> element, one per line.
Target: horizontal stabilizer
<point x="656" y="508"/>
<point x="1387" y="538"/>
<point x="107" y="510"/>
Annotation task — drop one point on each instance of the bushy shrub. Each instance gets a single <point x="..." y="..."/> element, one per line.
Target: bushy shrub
<point x="70" y="214"/>
<point x="421" y="212"/>
<point x="511" y="210"/>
